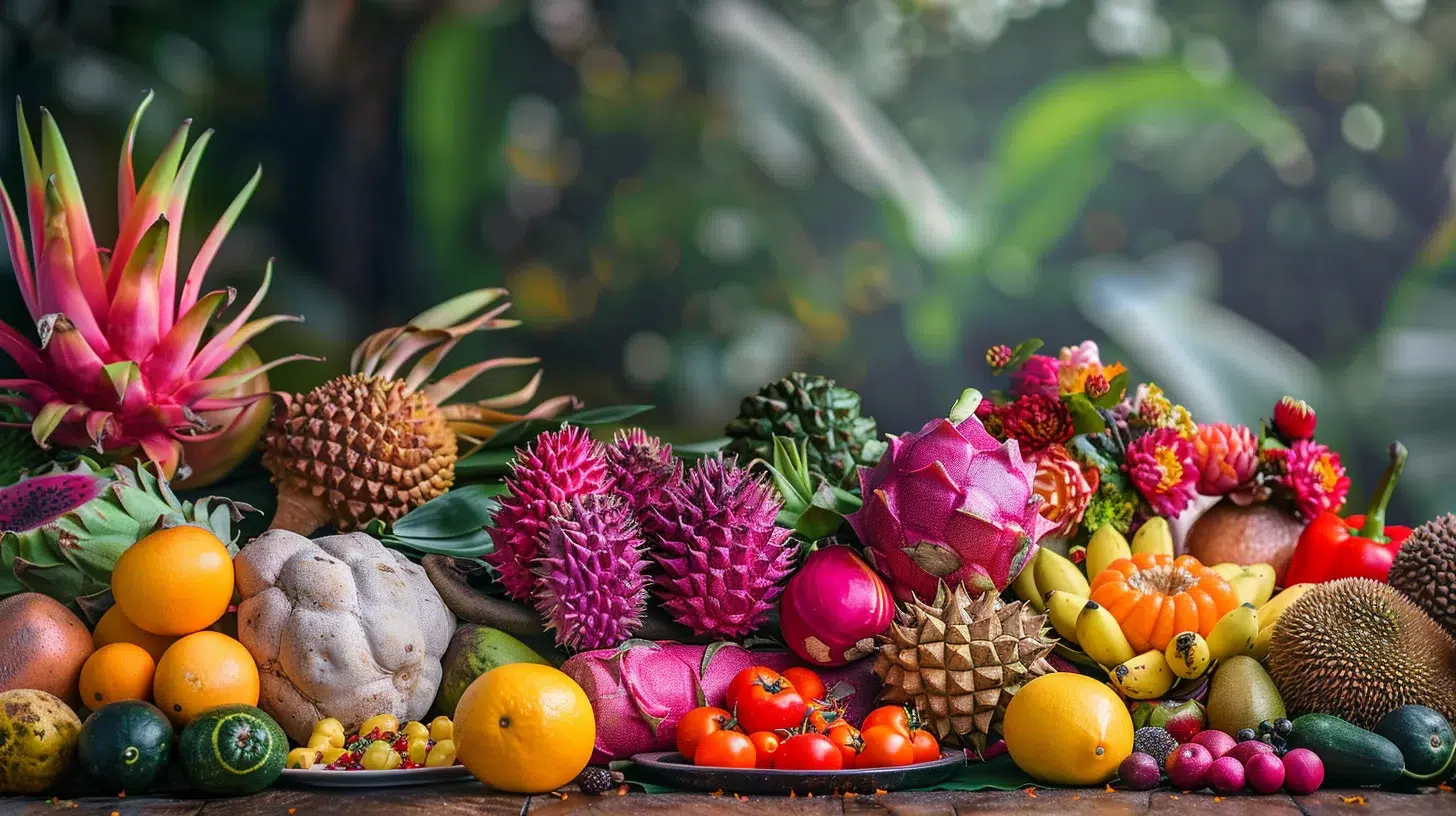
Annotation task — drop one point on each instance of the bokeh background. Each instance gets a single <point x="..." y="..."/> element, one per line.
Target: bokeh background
<point x="687" y="199"/>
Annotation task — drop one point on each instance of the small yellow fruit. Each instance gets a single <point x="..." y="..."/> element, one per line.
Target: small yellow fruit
<point x="442" y="755"/>
<point x="379" y="756"/>
<point x="302" y="758"/>
<point x="415" y="729"/>
<point x="1067" y="729"/>
<point x="330" y="755"/>
<point x="318" y="742"/>
<point x="525" y="728"/>
<point x="441" y="729"/>
<point x="386" y="723"/>
<point x="417" y="749"/>
<point x="1188" y="655"/>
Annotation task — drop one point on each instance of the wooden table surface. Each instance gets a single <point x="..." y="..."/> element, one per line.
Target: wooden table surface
<point x="472" y="798"/>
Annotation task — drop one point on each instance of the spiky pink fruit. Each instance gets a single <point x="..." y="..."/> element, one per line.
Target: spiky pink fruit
<point x="642" y="468"/>
<point x="124" y="359"/>
<point x="555" y="467"/>
<point x="723" y="558"/>
<point x="592" y="590"/>
<point x="950" y="504"/>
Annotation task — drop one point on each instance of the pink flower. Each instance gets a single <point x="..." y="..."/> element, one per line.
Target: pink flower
<point x="1226" y="457"/>
<point x="1081" y="356"/>
<point x="1313" y="475"/>
<point x="1160" y="465"/>
<point x="1065" y="486"/>
<point x="1038" y="375"/>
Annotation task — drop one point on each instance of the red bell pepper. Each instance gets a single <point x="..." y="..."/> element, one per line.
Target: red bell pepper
<point x="1331" y="547"/>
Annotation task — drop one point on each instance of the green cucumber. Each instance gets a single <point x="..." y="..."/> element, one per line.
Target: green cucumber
<point x="1423" y="737"/>
<point x="1353" y="757"/>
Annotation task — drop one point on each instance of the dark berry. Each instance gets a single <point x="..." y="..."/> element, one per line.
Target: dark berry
<point x="1283" y="727"/>
<point x="1245" y="735"/>
<point x="596" y="780"/>
<point x="1266" y="727"/>
<point x="1267" y="739"/>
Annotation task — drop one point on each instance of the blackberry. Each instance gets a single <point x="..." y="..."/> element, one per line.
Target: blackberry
<point x="596" y="780"/>
<point x="1155" y="742"/>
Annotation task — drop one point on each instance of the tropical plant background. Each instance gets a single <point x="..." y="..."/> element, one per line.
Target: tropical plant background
<point x="689" y="198"/>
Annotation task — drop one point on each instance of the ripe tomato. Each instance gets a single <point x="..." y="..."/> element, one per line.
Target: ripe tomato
<point x="765" y="743"/>
<point x="742" y="680"/>
<point x="769" y="705"/>
<point x="697" y="724"/>
<point x="846" y="738"/>
<point x="893" y="716"/>
<point x="807" y="683"/>
<point x="884" y="747"/>
<point x="927" y="748"/>
<point x="824" y="717"/>
<point x="726" y="749"/>
<point x="808" y="752"/>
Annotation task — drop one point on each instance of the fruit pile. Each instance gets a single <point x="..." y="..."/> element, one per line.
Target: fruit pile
<point x="1222" y="763"/>
<point x="380" y="744"/>
<point x="790" y="722"/>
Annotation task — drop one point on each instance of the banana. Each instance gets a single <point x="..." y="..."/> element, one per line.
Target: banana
<point x="1252" y="584"/>
<point x="1153" y="537"/>
<point x="1054" y="572"/>
<point x="1235" y="632"/>
<point x="1188" y="655"/>
<point x="1261" y="643"/>
<point x="1101" y="637"/>
<point x="1144" y="677"/>
<point x="1063" y="609"/>
<point x="1106" y="545"/>
<point x="1270" y="612"/>
<point x="1025" y="585"/>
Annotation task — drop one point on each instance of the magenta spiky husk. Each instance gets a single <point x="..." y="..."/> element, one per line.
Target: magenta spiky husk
<point x="555" y="467"/>
<point x="642" y="468"/>
<point x="723" y="559"/>
<point x="592" y="589"/>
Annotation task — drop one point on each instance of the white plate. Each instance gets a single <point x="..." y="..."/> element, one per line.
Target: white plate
<point x="375" y="779"/>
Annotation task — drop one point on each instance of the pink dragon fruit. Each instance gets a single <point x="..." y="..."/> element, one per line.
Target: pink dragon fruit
<point x="555" y="467"/>
<point x="592" y="588"/>
<point x="950" y="503"/>
<point x="833" y="608"/>
<point x="642" y="468"/>
<point x="723" y="559"/>
<point x="641" y="690"/>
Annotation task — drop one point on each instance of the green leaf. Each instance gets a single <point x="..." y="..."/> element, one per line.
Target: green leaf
<point x="459" y="512"/>
<point x="1085" y="419"/>
<point x="697" y="450"/>
<point x="512" y="434"/>
<point x="1115" y="390"/>
<point x="485" y="464"/>
<point x="468" y="545"/>
<point x="1023" y="352"/>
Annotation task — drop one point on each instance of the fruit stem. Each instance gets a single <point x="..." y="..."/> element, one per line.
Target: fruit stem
<point x="1374" y="527"/>
<point x="299" y="512"/>
<point x="965" y="407"/>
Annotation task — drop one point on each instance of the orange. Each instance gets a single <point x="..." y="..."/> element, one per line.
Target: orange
<point x="203" y="671"/>
<point x="118" y="671"/>
<point x="1067" y="729"/>
<point x="116" y="627"/>
<point x="175" y="581"/>
<point x="524" y="728"/>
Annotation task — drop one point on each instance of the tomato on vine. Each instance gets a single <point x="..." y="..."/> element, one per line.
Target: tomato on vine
<point x="807" y="682"/>
<point x="726" y="749"/>
<point x="846" y="738"/>
<point x="770" y="704"/>
<point x="895" y="717"/>
<point x="927" y="748"/>
<point x="766" y="744"/>
<point x="748" y="677"/>
<point x="808" y="752"/>
<point x="885" y="747"/>
<point x="698" y="724"/>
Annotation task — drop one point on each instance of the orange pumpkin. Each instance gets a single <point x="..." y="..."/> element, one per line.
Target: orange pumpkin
<point x="1156" y="596"/>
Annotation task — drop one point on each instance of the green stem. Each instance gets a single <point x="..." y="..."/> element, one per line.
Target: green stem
<point x="1374" y="527"/>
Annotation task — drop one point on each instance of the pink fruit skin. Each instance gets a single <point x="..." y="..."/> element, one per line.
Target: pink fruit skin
<point x="1264" y="773"/>
<point x="1217" y="742"/>
<point x="1304" y="772"/>
<point x="1188" y="766"/>
<point x="1249" y="749"/>
<point x="833" y="608"/>
<point x="641" y="690"/>
<point x="949" y="503"/>
<point x="1139" y="771"/>
<point x="1225" y="775"/>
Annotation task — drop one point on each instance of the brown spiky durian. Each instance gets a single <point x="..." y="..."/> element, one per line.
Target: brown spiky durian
<point x="1358" y="649"/>
<point x="1425" y="569"/>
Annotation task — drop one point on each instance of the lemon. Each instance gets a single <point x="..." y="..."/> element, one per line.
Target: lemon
<point x="1067" y="729"/>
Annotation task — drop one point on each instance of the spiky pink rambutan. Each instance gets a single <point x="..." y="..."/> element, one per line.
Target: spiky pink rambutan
<point x="1313" y="475"/>
<point x="1226" y="457"/>
<point x="592" y="589"/>
<point x="1160" y="466"/>
<point x="642" y="467"/>
<point x="557" y="466"/>
<point x="722" y="557"/>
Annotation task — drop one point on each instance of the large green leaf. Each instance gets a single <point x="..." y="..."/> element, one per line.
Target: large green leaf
<point x="513" y="434"/>
<point x="458" y="512"/>
<point x="489" y="463"/>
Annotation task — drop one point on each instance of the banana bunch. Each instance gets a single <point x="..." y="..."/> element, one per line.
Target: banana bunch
<point x="1253" y="584"/>
<point x="1269" y="615"/>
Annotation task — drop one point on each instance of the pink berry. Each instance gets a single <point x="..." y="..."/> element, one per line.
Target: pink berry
<point x="1225" y="775"/>
<point x="1264" y="773"/>
<point x="1303" y="771"/>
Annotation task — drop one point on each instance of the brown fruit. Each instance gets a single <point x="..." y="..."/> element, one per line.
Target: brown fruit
<point x="42" y="645"/>
<point x="1257" y="534"/>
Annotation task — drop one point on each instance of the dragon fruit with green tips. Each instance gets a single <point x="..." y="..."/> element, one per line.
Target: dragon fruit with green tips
<point x="593" y="590"/>
<point x="950" y="504"/>
<point x="62" y="530"/>
<point x="123" y="358"/>
<point x="723" y="559"/>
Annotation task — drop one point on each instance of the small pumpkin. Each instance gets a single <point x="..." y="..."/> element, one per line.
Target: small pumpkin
<point x="1154" y="596"/>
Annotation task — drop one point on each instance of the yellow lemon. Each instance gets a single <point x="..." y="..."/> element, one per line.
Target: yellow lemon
<point x="524" y="728"/>
<point x="1067" y="729"/>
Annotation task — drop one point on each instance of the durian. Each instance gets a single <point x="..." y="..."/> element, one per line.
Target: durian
<point x="1425" y="569"/>
<point x="1358" y="649"/>
<point x="960" y="659"/>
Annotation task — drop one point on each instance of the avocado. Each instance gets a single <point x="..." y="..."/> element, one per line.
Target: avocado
<point x="475" y="650"/>
<point x="1242" y="696"/>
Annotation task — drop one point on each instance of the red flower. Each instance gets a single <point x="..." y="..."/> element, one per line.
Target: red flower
<point x="1313" y="475"/>
<point x="1294" y="419"/>
<point x="1160" y="465"/>
<point x="1036" y="421"/>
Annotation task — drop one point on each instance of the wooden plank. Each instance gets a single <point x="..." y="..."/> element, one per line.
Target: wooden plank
<point x="454" y="798"/>
<point x="101" y="806"/>
<point x="1428" y="801"/>
<point x="698" y="804"/>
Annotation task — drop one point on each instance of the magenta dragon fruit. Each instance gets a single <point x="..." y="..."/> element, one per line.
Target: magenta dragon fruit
<point x="950" y="504"/>
<point x="640" y="690"/>
<point x="592" y="587"/>
<point x="555" y="467"/>
<point x="833" y="608"/>
<point x="642" y="469"/>
<point x="723" y="559"/>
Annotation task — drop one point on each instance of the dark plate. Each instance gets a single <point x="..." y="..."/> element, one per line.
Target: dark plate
<point x="671" y="769"/>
